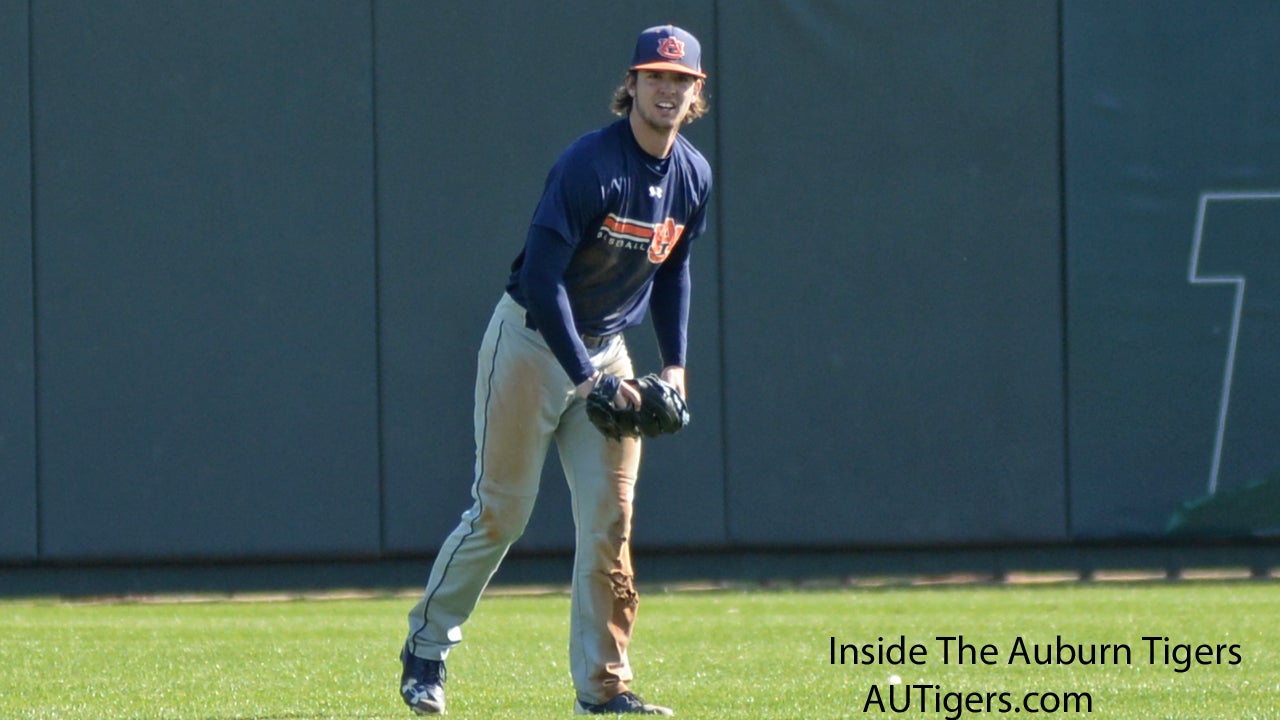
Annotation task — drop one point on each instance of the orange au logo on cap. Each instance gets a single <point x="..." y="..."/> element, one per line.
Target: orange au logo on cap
<point x="671" y="48"/>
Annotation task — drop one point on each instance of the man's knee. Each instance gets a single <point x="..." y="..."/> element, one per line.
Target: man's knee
<point x="503" y="520"/>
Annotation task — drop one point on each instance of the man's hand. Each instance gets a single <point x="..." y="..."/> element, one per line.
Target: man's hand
<point x="674" y="376"/>
<point x="648" y="406"/>
<point x="627" y="395"/>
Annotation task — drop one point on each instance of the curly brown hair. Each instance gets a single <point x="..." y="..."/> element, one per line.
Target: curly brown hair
<point x="620" y="105"/>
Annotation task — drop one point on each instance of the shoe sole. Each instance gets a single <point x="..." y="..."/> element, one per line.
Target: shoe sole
<point x="578" y="709"/>
<point x="428" y="708"/>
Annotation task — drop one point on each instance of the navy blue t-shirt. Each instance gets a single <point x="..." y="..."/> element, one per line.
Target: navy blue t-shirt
<point x="609" y="240"/>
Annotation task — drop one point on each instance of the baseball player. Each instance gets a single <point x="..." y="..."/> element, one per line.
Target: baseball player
<point x="609" y="241"/>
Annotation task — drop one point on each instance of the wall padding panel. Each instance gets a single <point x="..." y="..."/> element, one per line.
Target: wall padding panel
<point x="206" y="279"/>
<point x="1172" y="133"/>
<point x="18" y="533"/>
<point x="891" y="220"/>
<point x="474" y="105"/>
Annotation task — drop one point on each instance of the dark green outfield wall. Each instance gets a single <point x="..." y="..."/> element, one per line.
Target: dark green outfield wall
<point x="983" y="273"/>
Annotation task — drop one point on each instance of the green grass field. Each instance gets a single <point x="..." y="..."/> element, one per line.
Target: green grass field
<point x="719" y="654"/>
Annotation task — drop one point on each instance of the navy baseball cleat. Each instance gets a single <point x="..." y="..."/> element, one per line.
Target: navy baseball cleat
<point x="422" y="683"/>
<point x="628" y="703"/>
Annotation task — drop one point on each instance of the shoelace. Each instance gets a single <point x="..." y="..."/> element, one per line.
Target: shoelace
<point x="435" y="672"/>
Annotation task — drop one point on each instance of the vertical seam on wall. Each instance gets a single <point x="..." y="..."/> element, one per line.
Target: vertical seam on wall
<point x="35" y="316"/>
<point x="720" y="293"/>
<point x="379" y="405"/>
<point x="1064" y="275"/>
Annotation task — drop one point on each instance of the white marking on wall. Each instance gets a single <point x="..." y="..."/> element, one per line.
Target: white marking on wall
<point x="1195" y="278"/>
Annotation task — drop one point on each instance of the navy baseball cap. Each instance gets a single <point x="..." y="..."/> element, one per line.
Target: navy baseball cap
<point x="667" y="47"/>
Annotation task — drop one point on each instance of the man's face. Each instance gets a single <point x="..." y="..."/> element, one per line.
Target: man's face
<point x="663" y="97"/>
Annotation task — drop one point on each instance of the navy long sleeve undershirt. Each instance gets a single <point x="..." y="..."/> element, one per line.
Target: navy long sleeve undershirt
<point x="546" y="257"/>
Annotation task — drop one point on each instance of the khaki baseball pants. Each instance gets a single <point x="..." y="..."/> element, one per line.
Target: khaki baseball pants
<point x="524" y="400"/>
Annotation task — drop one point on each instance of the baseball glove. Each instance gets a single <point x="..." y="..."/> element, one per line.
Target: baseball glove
<point x="662" y="410"/>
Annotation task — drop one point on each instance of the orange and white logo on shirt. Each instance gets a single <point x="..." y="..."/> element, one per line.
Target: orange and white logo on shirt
<point x="660" y="238"/>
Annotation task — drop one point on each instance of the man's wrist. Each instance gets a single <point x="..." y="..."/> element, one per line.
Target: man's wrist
<point x="583" y="388"/>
